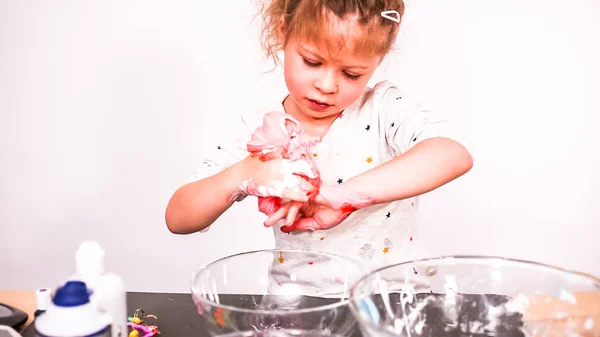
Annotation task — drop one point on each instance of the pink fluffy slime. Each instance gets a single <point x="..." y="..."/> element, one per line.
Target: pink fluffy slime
<point x="282" y="137"/>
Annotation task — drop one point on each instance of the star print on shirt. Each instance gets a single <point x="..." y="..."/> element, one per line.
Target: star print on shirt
<point x="340" y="181"/>
<point x="315" y="155"/>
<point x="369" y="160"/>
<point x="388" y="215"/>
<point x="219" y="147"/>
<point x="393" y="124"/>
<point x="368" y="128"/>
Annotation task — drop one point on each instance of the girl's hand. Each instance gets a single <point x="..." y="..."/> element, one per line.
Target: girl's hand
<point x="329" y="208"/>
<point x="276" y="177"/>
<point x="308" y="216"/>
<point x="280" y="165"/>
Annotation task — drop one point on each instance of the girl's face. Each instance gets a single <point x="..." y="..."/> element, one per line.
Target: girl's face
<point x="323" y="81"/>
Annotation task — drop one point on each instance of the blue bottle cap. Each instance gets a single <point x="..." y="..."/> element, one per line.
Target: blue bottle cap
<point x="72" y="294"/>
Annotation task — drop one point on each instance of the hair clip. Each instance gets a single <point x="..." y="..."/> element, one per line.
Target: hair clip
<point x="391" y="15"/>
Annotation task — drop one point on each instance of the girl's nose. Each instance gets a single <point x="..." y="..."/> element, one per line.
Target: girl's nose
<point x="327" y="83"/>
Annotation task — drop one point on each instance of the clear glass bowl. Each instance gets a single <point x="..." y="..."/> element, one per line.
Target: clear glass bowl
<point x="277" y="290"/>
<point x="279" y="333"/>
<point x="476" y="296"/>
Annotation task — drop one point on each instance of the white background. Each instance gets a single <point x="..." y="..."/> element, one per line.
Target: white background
<point x="106" y="107"/>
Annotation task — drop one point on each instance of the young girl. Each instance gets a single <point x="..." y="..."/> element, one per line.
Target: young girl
<point x="374" y="142"/>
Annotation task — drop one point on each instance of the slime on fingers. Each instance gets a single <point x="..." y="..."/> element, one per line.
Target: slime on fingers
<point x="282" y="137"/>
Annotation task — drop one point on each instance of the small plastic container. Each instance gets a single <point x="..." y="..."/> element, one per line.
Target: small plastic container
<point x="43" y="299"/>
<point x="72" y="314"/>
<point x="107" y="289"/>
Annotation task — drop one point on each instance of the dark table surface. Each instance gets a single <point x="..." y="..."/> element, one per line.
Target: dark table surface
<point x="177" y="316"/>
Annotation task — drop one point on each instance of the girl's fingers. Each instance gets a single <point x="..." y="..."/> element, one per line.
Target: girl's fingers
<point x="293" y="195"/>
<point x="293" y="213"/>
<point x="278" y="215"/>
<point x="302" y="224"/>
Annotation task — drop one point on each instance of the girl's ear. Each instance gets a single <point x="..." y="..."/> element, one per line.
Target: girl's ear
<point x="281" y="30"/>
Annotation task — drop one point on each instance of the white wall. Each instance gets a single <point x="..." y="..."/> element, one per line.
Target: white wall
<point x="105" y="107"/>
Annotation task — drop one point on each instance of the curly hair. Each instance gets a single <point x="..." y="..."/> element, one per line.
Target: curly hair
<point x="312" y="20"/>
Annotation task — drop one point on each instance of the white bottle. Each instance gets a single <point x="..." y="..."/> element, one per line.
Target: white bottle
<point x="71" y="314"/>
<point x="108" y="289"/>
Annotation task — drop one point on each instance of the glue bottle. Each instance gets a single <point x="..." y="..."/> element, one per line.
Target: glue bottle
<point x="71" y="314"/>
<point x="107" y="289"/>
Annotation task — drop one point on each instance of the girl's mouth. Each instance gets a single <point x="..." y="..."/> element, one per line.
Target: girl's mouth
<point x="318" y="105"/>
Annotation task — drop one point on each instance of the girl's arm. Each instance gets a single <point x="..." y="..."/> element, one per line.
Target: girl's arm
<point x="429" y="164"/>
<point x="429" y="150"/>
<point x="195" y="206"/>
<point x="426" y="166"/>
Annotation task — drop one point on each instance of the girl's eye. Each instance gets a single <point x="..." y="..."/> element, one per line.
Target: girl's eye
<point x="311" y="64"/>
<point x="351" y="76"/>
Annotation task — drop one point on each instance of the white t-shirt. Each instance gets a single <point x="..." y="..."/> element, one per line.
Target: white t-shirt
<point x="380" y="125"/>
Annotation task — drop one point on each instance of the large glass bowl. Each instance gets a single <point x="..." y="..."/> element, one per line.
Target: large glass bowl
<point x="476" y="296"/>
<point x="279" y="333"/>
<point x="277" y="290"/>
